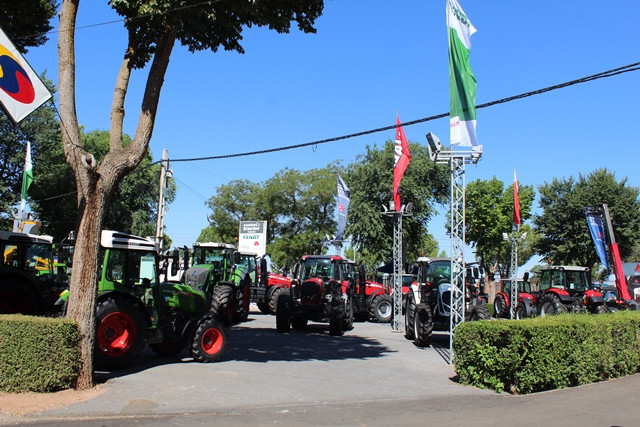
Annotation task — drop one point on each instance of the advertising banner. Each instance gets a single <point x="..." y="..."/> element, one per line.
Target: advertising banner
<point x="253" y="237"/>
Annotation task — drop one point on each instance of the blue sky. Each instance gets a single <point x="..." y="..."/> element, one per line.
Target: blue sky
<point x="368" y="61"/>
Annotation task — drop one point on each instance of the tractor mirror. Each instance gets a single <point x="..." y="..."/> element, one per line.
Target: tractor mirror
<point x="174" y="266"/>
<point x="525" y="276"/>
<point x="237" y="259"/>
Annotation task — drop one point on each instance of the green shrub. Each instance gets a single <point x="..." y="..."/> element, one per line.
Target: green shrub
<point x="546" y="353"/>
<point x="38" y="354"/>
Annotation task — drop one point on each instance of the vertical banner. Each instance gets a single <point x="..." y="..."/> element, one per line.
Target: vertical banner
<point x="401" y="159"/>
<point x="253" y="237"/>
<point x="27" y="178"/>
<point x="517" y="221"/>
<point x="21" y="91"/>
<point x="343" y="206"/>
<point x="596" y="228"/>
<point x="462" y="82"/>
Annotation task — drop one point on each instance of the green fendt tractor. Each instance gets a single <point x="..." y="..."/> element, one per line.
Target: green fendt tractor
<point x="133" y="309"/>
<point x="222" y="272"/>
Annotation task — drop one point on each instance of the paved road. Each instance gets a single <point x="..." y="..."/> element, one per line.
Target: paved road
<point x="369" y="376"/>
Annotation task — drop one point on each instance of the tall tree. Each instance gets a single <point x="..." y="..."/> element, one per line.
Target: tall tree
<point x="489" y="214"/>
<point x="153" y="28"/>
<point x="565" y="237"/>
<point x="370" y="179"/>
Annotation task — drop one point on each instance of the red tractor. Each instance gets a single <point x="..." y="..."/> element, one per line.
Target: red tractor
<point x="319" y="292"/>
<point x="566" y="289"/>
<point x="372" y="300"/>
<point x="276" y="284"/>
<point x="527" y="300"/>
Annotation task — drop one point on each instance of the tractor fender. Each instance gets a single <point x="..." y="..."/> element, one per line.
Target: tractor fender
<point x="102" y="296"/>
<point x="415" y="290"/>
<point x="562" y="295"/>
<point x="507" y="298"/>
<point x="594" y="300"/>
<point x="373" y="295"/>
<point x="191" y="325"/>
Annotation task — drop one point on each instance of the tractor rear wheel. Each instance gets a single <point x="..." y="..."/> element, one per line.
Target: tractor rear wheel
<point x="479" y="310"/>
<point x="120" y="333"/>
<point x="210" y="341"/>
<point x="423" y="326"/>
<point x="283" y="313"/>
<point x="381" y="309"/>
<point x="601" y="309"/>
<point x="550" y="305"/>
<point x="224" y="304"/>
<point x="500" y="307"/>
<point x="410" y="317"/>
<point x="336" y="317"/>
<point x="243" y="306"/>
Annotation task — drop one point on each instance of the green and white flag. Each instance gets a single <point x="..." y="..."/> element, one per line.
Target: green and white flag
<point x="462" y="82"/>
<point x="27" y="177"/>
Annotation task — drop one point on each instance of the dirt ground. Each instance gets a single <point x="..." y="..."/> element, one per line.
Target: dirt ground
<point x="26" y="403"/>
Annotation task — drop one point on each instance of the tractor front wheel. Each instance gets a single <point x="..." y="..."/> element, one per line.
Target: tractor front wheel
<point x="224" y="304"/>
<point x="120" y="333"/>
<point x="410" y="317"/>
<point x="210" y="341"/>
<point x="423" y="326"/>
<point x="521" y="311"/>
<point x="283" y="313"/>
<point x="381" y="309"/>
<point x="273" y="298"/>
<point x="479" y="310"/>
<point x="550" y="305"/>
<point x="336" y="317"/>
<point x="347" y="321"/>
<point x="500" y="307"/>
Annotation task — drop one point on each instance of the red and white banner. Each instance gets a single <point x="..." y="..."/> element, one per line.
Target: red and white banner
<point x="516" y="203"/>
<point x="401" y="160"/>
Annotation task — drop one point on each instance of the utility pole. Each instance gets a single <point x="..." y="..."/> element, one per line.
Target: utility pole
<point x="164" y="174"/>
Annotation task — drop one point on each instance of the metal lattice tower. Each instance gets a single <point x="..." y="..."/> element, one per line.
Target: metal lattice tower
<point x="397" y="274"/>
<point x="457" y="159"/>
<point x="514" y="275"/>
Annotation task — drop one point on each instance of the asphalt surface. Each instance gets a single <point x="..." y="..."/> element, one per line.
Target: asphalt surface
<point x="369" y="376"/>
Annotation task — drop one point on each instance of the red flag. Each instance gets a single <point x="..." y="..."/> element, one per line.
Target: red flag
<point x="516" y="203"/>
<point x="401" y="160"/>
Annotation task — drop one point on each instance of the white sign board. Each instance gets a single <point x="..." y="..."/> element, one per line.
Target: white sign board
<point x="253" y="237"/>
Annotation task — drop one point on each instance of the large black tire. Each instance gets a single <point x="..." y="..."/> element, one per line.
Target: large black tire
<point x="347" y="321"/>
<point x="410" y="317"/>
<point x="423" y="326"/>
<point x="17" y="296"/>
<point x="244" y="301"/>
<point x="381" y="308"/>
<point x="264" y="308"/>
<point x="500" y="307"/>
<point x="479" y="310"/>
<point x="120" y="333"/>
<point x="224" y="304"/>
<point x="283" y="313"/>
<point x="521" y="311"/>
<point x="550" y="305"/>
<point x="210" y="341"/>
<point x="273" y="298"/>
<point x="336" y="317"/>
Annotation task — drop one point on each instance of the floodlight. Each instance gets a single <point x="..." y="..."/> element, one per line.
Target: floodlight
<point x="505" y="236"/>
<point x="434" y="146"/>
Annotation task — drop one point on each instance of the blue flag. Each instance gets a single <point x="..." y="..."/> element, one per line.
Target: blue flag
<point x="343" y="206"/>
<point x="596" y="227"/>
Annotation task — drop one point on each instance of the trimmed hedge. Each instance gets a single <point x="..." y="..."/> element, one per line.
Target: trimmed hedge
<point x="547" y="353"/>
<point x="38" y="354"/>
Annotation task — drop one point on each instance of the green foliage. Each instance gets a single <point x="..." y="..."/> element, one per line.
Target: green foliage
<point x="565" y="237"/>
<point x="489" y="214"/>
<point x="30" y="28"/>
<point x="547" y="353"/>
<point x="38" y="354"/>
<point x="43" y="131"/>
<point x="133" y="207"/>
<point x="370" y="179"/>
<point x="208" y="26"/>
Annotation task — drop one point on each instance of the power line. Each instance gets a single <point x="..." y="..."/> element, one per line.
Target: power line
<point x="603" y="74"/>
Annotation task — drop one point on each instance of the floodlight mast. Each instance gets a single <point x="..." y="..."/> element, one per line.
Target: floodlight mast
<point x="405" y="210"/>
<point x="457" y="159"/>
